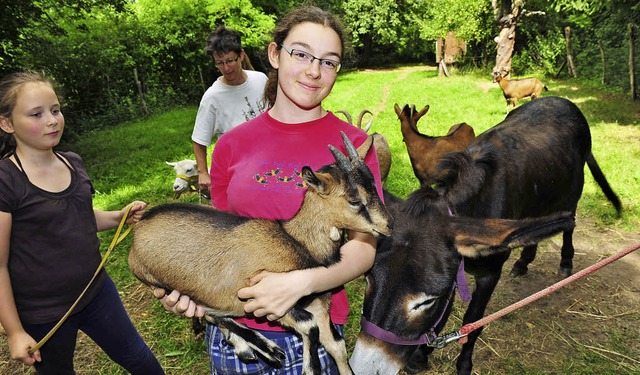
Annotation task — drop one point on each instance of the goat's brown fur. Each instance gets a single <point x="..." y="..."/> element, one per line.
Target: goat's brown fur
<point x="208" y="254"/>
<point x="425" y="152"/>
<point x="519" y="88"/>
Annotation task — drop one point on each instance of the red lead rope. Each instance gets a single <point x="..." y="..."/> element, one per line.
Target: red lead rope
<point x="468" y="328"/>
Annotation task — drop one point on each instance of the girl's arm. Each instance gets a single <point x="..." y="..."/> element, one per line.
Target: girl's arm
<point x="19" y="341"/>
<point x="273" y="294"/>
<point x="111" y="219"/>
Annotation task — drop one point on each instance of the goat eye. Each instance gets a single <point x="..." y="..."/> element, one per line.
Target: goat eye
<point x="355" y="203"/>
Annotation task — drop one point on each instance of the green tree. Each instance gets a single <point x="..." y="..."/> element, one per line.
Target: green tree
<point x="467" y="18"/>
<point x="385" y="31"/>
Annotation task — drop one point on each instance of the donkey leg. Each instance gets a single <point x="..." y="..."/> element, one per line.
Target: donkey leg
<point x="485" y="285"/>
<point x="566" y="263"/>
<point x="526" y="257"/>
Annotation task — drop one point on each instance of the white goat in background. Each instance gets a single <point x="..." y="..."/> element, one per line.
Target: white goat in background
<point x="186" y="177"/>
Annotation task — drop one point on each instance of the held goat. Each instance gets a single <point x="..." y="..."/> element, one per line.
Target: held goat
<point x="425" y="152"/>
<point x="380" y="143"/>
<point x="518" y="89"/>
<point x="209" y="254"/>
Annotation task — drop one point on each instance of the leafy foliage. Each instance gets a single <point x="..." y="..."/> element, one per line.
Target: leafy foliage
<point x="119" y="60"/>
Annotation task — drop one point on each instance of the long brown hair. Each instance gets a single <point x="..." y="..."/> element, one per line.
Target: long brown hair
<point x="284" y="26"/>
<point x="10" y="87"/>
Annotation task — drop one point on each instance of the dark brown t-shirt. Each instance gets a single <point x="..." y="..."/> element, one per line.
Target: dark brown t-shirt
<point x="54" y="249"/>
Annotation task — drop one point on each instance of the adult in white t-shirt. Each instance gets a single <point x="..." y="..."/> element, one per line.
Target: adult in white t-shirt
<point x="235" y="97"/>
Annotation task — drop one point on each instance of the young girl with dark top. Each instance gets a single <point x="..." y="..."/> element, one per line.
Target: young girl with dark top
<point x="49" y="249"/>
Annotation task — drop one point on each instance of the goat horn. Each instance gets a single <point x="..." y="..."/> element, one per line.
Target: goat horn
<point x="351" y="150"/>
<point x="347" y="115"/>
<point x="341" y="161"/>
<point x="361" y="116"/>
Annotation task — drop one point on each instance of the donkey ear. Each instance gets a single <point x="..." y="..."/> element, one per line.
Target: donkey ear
<point x="481" y="237"/>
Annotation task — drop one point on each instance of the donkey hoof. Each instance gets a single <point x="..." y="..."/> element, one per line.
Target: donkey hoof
<point x="565" y="272"/>
<point x="517" y="271"/>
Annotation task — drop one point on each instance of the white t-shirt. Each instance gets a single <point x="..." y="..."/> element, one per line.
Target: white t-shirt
<point x="223" y="107"/>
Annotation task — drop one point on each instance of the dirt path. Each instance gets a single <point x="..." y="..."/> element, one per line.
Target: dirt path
<point x="596" y="316"/>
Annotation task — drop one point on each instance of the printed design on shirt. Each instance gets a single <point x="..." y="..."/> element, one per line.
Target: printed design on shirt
<point x="286" y="178"/>
<point x="274" y="176"/>
<point x="260" y="179"/>
<point x="273" y="172"/>
<point x="302" y="184"/>
<point x="251" y="112"/>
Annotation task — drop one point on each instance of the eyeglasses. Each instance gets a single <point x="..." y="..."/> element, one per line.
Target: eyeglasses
<point x="307" y="58"/>
<point x="229" y="62"/>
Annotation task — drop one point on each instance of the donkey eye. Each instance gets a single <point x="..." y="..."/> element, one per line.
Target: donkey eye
<point x="423" y="303"/>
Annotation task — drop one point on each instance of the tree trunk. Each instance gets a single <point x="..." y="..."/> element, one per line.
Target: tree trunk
<point x="632" y="72"/>
<point x="604" y="62"/>
<point x="507" y="36"/>
<point x="442" y="67"/>
<point x="570" y="66"/>
<point x="140" y="93"/>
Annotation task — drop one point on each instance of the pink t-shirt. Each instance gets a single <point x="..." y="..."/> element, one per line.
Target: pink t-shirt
<point x="255" y="172"/>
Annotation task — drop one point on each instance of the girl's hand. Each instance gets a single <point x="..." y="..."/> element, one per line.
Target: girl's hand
<point x="137" y="209"/>
<point x="272" y="295"/>
<point x="179" y="304"/>
<point x="19" y="345"/>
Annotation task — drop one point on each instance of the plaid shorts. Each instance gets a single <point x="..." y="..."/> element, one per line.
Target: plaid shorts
<point x="224" y="360"/>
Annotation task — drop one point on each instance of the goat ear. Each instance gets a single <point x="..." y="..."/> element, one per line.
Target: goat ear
<point x="171" y="163"/>
<point x="423" y="111"/>
<point x="398" y="110"/>
<point x="481" y="237"/>
<point x="364" y="148"/>
<point x="321" y="182"/>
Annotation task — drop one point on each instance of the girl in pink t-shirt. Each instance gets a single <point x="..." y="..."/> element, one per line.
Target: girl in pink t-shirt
<point x="254" y="173"/>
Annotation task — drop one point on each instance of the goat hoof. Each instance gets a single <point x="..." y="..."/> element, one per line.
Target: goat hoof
<point x="565" y="272"/>
<point x="248" y="356"/>
<point x="198" y="326"/>
<point x="277" y="359"/>
<point x="517" y="271"/>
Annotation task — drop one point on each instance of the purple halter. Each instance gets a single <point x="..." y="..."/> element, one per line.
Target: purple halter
<point x="430" y="337"/>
